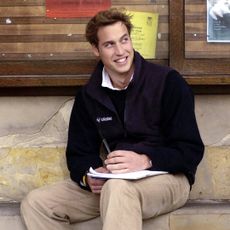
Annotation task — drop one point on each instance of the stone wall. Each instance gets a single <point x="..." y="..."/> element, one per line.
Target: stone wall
<point x="34" y="132"/>
<point x="32" y="143"/>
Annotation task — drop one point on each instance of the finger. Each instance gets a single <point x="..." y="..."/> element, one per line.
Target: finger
<point x="114" y="160"/>
<point x="95" y="182"/>
<point x="120" y="171"/>
<point x="114" y="167"/>
<point x="101" y="170"/>
<point x="96" y="190"/>
<point x="117" y="153"/>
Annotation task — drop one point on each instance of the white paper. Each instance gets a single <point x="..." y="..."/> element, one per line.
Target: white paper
<point x="127" y="176"/>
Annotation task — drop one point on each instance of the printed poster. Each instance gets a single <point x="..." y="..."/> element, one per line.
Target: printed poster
<point x="218" y="20"/>
<point x="75" y="8"/>
<point x="144" y="33"/>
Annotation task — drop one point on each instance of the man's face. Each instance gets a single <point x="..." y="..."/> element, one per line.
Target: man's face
<point x="115" y="49"/>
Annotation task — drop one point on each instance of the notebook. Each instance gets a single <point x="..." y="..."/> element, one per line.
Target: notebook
<point x="127" y="176"/>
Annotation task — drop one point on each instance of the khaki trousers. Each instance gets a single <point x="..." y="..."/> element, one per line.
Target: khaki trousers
<point x="122" y="204"/>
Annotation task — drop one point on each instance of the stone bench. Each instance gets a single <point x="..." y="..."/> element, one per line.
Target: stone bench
<point x="211" y="215"/>
<point x="208" y="206"/>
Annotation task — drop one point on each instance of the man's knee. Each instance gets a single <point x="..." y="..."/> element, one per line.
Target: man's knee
<point x="33" y="200"/>
<point x="119" y="196"/>
<point x="118" y="187"/>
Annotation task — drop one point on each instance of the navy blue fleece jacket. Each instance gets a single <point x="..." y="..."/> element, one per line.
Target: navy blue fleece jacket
<point x="157" y="119"/>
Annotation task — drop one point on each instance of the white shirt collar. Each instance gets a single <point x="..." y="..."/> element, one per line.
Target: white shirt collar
<point x="106" y="82"/>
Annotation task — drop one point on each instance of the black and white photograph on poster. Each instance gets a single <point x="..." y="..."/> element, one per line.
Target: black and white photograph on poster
<point x="218" y="20"/>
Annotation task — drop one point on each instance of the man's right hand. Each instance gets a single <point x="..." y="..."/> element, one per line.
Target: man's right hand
<point x="97" y="184"/>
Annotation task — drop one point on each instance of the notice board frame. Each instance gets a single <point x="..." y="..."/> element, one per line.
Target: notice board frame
<point x="206" y="72"/>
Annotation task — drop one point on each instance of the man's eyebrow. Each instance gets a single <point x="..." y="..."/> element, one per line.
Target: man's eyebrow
<point x="112" y="41"/>
<point x="125" y="35"/>
<point x="106" y="42"/>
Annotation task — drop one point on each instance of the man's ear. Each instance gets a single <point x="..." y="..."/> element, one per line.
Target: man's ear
<point x="95" y="50"/>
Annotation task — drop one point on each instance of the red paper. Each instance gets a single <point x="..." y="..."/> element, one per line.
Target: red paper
<point x="75" y="8"/>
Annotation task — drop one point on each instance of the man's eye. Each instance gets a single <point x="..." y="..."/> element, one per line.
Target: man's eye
<point x="124" y="40"/>
<point x="108" y="45"/>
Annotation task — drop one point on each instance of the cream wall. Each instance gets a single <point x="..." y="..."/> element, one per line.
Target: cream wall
<point x="213" y="116"/>
<point x="33" y="134"/>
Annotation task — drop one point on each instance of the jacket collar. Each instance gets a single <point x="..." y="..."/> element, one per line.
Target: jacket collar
<point x="96" y="91"/>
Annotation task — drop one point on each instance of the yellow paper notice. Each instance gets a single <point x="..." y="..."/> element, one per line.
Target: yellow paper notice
<point x="144" y="33"/>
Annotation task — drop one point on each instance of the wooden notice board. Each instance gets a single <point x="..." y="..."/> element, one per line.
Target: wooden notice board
<point x="38" y="52"/>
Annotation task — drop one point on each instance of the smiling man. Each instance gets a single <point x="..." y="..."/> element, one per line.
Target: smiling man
<point x="144" y="115"/>
<point x="116" y="52"/>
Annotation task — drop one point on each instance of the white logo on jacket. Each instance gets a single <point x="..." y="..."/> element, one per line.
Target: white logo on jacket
<point x="103" y="119"/>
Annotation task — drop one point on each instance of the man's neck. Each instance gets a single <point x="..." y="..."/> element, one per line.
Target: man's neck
<point x="121" y="81"/>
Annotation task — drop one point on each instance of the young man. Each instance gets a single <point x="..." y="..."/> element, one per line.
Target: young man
<point x="146" y="114"/>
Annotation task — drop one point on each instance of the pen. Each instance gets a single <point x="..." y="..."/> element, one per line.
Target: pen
<point x="106" y="145"/>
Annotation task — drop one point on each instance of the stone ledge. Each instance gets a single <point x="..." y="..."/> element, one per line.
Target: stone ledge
<point x="198" y="215"/>
<point x="9" y="209"/>
<point x="202" y="215"/>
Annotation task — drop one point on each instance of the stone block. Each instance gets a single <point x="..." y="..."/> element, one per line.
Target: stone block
<point x="200" y="216"/>
<point x="213" y="175"/>
<point x="24" y="169"/>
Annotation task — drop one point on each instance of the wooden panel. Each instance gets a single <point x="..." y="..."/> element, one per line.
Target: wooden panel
<point x="202" y="49"/>
<point x="26" y="34"/>
<point x="43" y="30"/>
<point x="196" y="45"/>
<point x="22" y="11"/>
<point x="22" y="2"/>
<point x="33" y="81"/>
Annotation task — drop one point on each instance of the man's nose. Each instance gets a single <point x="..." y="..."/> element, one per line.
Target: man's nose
<point x="119" y="49"/>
